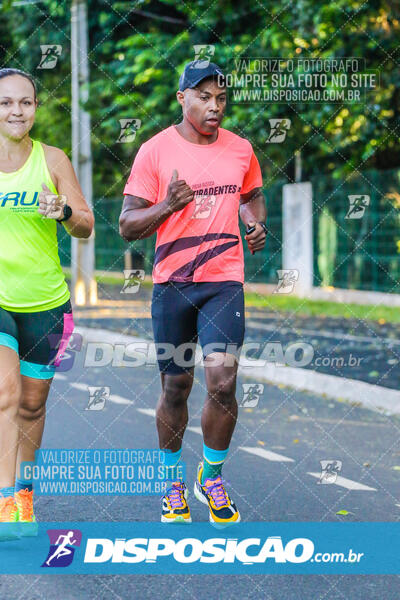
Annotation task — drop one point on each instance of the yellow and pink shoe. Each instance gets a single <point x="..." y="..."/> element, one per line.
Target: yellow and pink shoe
<point x="175" y="508"/>
<point x="223" y="511"/>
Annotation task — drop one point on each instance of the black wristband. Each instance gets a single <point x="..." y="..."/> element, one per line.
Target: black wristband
<point x="67" y="214"/>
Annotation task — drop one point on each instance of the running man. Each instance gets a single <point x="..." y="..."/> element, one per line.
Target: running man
<point x="62" y="550"/>
<point x="35" y="181"/>
<point x="189" y="183"/>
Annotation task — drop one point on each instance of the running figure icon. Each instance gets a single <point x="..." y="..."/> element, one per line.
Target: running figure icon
<point x="62" y="549"/>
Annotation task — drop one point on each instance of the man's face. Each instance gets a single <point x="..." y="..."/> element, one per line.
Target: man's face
<point x="17" y="106"/>
<point x="204" y="105"/>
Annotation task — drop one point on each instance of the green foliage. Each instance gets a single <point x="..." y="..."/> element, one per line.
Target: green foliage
<point x="138" y="50"/>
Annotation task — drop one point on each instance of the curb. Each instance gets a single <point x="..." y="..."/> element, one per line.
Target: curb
<point x="374" y="397"/>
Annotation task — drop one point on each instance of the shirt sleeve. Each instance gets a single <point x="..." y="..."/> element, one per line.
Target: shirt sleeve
<point x="253" y="177"/>
<point x="143" y="178"/>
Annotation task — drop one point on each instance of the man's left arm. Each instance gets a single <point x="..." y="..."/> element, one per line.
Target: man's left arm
<point x="253" y="212"/>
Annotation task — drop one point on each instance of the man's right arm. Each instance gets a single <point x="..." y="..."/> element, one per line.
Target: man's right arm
<point x="140" y="218"/>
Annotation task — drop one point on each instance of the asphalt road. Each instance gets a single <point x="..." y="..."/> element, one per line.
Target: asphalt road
<point x="276" y="445"/>
<point x="353" y="348"/>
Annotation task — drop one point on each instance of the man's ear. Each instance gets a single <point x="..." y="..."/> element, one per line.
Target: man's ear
<point x="180" y="96"/>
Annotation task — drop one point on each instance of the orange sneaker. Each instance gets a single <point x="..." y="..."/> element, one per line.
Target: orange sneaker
<point x="9" y="526"/>
<point x="26" y="518"/>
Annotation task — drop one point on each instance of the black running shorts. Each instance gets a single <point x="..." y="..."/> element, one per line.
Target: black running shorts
<point x="182" y="313"/>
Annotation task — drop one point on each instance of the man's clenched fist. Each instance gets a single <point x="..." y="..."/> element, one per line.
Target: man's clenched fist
<point x="179" y="193"/>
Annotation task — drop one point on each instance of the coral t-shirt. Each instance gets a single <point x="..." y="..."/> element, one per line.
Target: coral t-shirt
<point x="202" y="241"/>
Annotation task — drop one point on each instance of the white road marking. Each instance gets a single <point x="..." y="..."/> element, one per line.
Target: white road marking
<point x="120" y="399"/>
<point x="147" y="411"/>
<point x="80" y="386"/>
<point x="59" y="376"/>
<point x="349" y="484"/>
<point x="267" y="454"/>
<point x="195" y="429"/>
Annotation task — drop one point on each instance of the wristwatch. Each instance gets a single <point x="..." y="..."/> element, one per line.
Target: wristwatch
<point x="263" y="225"/>
<point x="67" y="214"/>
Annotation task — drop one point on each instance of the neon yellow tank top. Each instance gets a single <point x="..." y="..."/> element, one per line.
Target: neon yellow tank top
<point x="31" y="278"/>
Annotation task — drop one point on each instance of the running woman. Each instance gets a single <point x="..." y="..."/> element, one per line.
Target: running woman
<point x="35" y="304"/>
<point x="189" y="183"/>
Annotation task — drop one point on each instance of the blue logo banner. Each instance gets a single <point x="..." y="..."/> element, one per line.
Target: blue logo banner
<point x="252" y="548"/>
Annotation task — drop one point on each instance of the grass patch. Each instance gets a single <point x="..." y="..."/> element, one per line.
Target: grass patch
<point x="108" y="279"/>
<point x="323" y="308"/>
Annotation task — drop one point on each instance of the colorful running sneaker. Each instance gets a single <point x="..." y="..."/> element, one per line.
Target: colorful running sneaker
<point x="27" y="520"/>
<point x="175" y="509"/>
<point x="9" y="526"/>
<point x="222" y="510"/>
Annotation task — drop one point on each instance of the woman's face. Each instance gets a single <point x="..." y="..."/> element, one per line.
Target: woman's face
<point x="17" y="107"/>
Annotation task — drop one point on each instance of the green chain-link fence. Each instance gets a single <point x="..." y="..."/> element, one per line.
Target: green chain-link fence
<point x="358" y="253"/>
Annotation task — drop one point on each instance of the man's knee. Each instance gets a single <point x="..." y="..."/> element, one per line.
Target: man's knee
<point x="176" y="388"/>
<point x="222" y="386"/>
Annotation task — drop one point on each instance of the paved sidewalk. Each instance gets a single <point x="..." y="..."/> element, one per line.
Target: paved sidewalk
<point x="351" y="349"/>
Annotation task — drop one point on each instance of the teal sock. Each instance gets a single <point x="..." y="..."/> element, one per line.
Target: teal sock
<point x="7" y="491"/>
<point x="171" y="459"/>
<point x="213" y="462"/>
<point x="23" y="484"/>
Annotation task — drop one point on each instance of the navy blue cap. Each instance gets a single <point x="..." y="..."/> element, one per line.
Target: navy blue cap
<point x="194" y="73"/>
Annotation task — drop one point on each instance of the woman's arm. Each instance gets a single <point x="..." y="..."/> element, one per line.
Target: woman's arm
<point x="81" y="222"/>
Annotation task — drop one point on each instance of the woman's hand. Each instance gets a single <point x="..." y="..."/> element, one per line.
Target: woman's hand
<point x="51" y="205"/>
